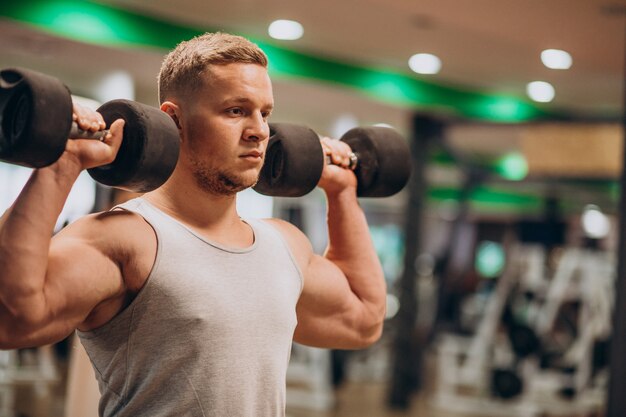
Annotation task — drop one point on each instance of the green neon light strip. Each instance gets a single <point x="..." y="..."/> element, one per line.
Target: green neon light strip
<point x="400" y="89"/>
<point x="98" y="24"/>
<point x="89" y="22"/>
<point x="488" y="197"/>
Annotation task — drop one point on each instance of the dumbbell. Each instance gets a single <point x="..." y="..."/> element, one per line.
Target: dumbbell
<point x="36" y="121"/>
<point x="295" y="159"/>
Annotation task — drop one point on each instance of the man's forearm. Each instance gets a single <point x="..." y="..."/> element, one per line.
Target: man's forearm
<point x="351" y="249"/>
<point x="25" y="232"/>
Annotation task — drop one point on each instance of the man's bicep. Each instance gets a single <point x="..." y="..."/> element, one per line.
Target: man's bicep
<point x="80" y="275"/>
<point x="327" y="309"/>
<point x="78" y="278"/>
<point x="15" y="336"/>
<point x="325" y="286"/>
<point x="329" y="312"/>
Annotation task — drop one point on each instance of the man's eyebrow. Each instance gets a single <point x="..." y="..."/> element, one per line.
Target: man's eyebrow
<point x="237" y="100"/>
<point x="243" y="100"/>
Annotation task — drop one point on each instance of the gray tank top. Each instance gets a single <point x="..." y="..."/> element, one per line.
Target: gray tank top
<point x="210" y="332"/>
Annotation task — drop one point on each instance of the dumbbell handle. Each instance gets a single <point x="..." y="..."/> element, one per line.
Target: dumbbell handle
<point x="354" y="160"/>
<point x="78" y="133"/>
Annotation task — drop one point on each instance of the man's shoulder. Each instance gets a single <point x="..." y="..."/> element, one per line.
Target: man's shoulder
<point x="106" y="224"/>
<point x="298" y="242"/>
<point x="285" y="228"/>
<point x="116" y="233"/>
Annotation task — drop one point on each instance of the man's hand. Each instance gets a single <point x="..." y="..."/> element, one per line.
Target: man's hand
<point x="89" y="153"/>
<point x="337" y="176"/>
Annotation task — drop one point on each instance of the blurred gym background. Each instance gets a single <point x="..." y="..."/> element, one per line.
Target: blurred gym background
<point x="503" y="253"/>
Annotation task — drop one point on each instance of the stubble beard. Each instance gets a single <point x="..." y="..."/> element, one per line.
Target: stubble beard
<point x="218" y="182"/>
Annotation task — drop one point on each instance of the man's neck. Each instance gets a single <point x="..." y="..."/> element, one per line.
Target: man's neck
<point x="213" y="216"/>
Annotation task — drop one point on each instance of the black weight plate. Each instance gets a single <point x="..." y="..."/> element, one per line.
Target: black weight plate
<point x="294" y="161"/>
<point x="524" y="340"/>
<point x="384" y="160"/>
<point x="35" y="117"/>
<point x="506" y="383"/>
<point x="149" y="150"/>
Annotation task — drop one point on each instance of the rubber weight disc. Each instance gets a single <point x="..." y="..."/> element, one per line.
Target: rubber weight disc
<point x="524" y="340"/>
<point x="506" y="383"/>
<point x="384" y="160"/>
<point x="294" y="161"/>
<point x="149" y="150"/>
<point x="36" y="117"/>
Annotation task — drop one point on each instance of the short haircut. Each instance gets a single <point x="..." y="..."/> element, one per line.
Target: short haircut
<point x="184" y="68"/>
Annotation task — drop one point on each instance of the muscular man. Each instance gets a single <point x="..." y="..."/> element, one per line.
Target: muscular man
<point x="184" y="308"/>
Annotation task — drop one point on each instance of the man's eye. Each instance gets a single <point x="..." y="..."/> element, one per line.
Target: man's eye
<point x="235" y="111"/>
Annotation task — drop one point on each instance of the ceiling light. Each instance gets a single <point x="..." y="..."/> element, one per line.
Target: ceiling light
<point x="540" y="91"/>
<point x="425" y="63"/>
<point x="556" y="59"/>
<point x="490" y="259"/>
<point x="596" y="224"/>
<point x="287" y="30"/>
<point x="512" y="166"/>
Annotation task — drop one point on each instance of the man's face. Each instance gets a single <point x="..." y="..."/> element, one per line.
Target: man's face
<point x="225" y="130"/>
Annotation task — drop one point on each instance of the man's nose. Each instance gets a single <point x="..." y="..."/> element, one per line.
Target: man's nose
<point x="258" y="129"/>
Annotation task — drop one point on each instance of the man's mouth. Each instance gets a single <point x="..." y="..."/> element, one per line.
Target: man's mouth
<point x="253" y="155"/>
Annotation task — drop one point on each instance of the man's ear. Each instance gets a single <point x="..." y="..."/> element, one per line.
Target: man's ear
<point x="173" y="110"/>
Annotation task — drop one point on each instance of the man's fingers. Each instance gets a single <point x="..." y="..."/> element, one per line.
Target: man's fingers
<point x="87" y="119"/>
<point x="338" y="151"/>
<point x="115" y="135"/>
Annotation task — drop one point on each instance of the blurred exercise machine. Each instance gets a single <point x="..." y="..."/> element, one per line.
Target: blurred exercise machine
<point x="523" y="360"/>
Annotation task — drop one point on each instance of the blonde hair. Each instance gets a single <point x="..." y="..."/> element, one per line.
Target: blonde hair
<point x="184" y="68"/>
